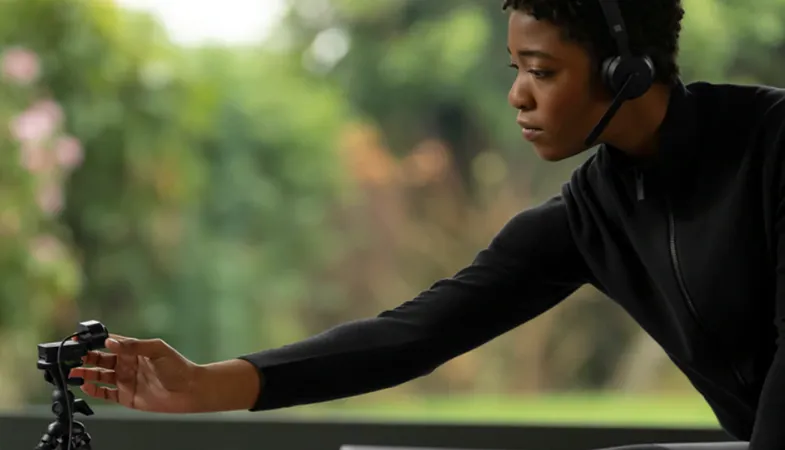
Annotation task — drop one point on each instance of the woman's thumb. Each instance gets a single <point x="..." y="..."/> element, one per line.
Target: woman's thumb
<point x="151" y="348"/>
<point x="113" y="345"/>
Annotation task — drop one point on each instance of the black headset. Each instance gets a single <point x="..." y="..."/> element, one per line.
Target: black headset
<point x="625" y="75"/>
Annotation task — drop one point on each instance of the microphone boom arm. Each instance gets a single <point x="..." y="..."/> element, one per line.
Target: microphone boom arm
<point x="606" y="118"/>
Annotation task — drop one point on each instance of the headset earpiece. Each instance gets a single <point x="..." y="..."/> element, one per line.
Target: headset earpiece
<point x="640" y="71"/>
<point x="627" y="76"/>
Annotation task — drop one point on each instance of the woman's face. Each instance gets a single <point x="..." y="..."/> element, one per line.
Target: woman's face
<point x="557" y="98"/>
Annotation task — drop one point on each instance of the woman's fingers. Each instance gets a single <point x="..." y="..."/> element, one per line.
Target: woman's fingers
<point x="101" y="359"/>
<point x="118" y="337"/>
<point x="95" y="375"/>
<point x="106" y="393"/>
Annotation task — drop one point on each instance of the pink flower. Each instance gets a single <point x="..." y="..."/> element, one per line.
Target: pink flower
<point x="50" y="199"/>
<point x="36" y="158"/>
<point x="38" y="122"/>
<point x="20" y="66"/>
<point x="45" y="248"/>
<point x="68" y="151"/>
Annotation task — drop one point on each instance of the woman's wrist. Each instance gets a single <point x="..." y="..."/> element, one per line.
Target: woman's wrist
<point x="231" y="385"/>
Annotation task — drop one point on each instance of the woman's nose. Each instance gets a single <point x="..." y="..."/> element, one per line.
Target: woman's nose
<point x="519" y="97"/>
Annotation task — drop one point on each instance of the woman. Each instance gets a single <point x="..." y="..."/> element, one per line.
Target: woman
<point x="678" y="217"/>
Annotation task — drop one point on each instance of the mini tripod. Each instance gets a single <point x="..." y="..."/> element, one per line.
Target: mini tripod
<point x="56" y="436"/>
<point x="57" y="359"/>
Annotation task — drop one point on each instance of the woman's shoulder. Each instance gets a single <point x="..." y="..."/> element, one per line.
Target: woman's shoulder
<point x="738" y="99"/>
<point x="746" y="115"/>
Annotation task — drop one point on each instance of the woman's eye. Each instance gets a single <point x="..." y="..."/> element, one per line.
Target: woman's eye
<point x="541" y="74"/>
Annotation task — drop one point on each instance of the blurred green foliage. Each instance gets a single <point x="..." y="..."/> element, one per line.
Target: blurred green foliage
<point x="185" y="220"/>
<point x="229" y="199"/>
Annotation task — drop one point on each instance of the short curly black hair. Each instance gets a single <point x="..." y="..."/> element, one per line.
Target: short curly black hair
<point x="653" y="26"/>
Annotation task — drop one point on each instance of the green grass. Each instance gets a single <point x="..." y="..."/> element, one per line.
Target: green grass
<point x="569" y="409"/>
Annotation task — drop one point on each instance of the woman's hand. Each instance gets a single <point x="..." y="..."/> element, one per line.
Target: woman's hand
<point x="143" y="374"/>
<point x="150" y="375"/>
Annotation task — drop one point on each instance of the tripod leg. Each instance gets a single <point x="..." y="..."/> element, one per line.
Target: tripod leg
<point x="56" y="437"/>
<point x="81" y="442"/>
<point x="52" y="438"/>
<point x="81" y="438"/>
<point x="47" y="443"/>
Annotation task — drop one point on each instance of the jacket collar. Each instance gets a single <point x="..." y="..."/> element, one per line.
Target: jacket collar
<point x="677" y="139"/>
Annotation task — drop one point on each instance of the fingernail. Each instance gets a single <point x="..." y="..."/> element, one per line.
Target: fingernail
<point x="113" y="341"/>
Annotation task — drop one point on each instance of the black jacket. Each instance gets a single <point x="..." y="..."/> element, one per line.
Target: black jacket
<point x="690" y="243"/>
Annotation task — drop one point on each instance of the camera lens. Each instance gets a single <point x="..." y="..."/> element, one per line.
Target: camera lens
<point x="92" y="334"/>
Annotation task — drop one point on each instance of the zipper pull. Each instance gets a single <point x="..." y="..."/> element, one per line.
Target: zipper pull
<point x="639" y="187"/>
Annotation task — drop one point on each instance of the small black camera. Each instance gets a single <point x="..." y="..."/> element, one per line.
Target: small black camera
<point x="91" y="336"/>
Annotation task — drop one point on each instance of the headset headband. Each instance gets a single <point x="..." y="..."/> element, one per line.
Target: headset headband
<point x="616" y="26"/>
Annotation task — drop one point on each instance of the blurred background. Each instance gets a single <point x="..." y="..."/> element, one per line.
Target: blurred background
<point x="233" y="176"/>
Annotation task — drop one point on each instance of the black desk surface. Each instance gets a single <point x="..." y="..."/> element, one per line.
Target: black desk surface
<point x="367" y="447"/>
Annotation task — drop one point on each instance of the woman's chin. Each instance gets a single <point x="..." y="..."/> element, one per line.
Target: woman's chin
<point x="549" y="153"/>
<point x="553" y="153"/>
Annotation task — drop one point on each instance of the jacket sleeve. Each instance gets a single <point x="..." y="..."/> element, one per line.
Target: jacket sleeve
<point x="530" y="266"/>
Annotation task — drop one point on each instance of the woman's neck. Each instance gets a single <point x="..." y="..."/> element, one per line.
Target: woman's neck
<point x="635" y="128"/>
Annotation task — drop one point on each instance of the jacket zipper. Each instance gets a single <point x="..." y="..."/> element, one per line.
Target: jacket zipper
<point x="685" y="293"/>
<point x="639" y="186"/>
